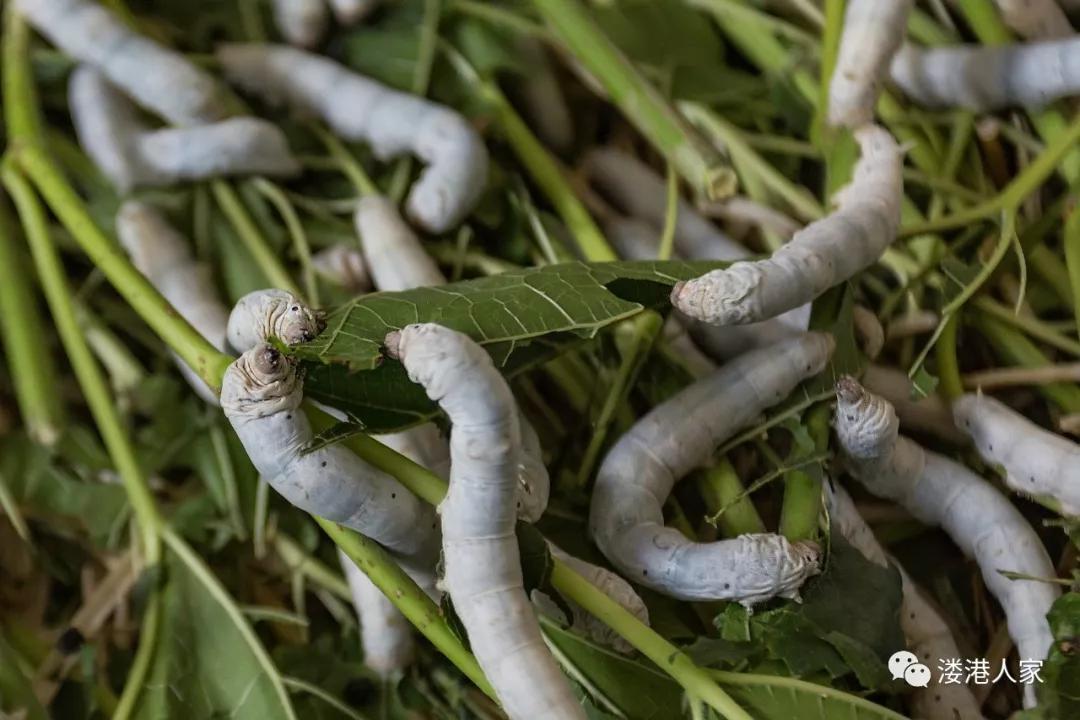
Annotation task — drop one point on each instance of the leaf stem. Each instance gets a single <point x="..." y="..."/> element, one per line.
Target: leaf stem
<point x="801" y="508"/>
<point x="1071" y="240"/>
<point x="249" y="235"/>
<point x="720" y="487"/>
<point x="285" y="209"/>
<point x="948" y="367"/>
<point x="697" y="161"/>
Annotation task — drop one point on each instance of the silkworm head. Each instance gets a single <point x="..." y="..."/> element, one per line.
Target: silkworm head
<point x="774" y="566"/>
<point x="865" y="423"/>
<point x="294" y="323"/>
<point x="964" y="409"/>
<point x="261" y="382"/>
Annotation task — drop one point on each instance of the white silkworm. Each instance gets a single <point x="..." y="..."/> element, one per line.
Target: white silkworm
<point x="989" y="78"/>
<point x="929" y="414"/>
<point x="301" y="22"/>
<point x="819" y="256"/>
<point x="264" y="314"/>
<point x="343" y="265"/>
<point x="131" y="155"/>
<point x="482" y="569"/>
<point x="391" y="122"/>
<point x="164" y="257"/>
<point x="873" y="31"/>
<point x="261" y="396"/>
<point x="626" y="518"/>
<point x="348" y="12"/>
<point x="938" y="491"/>
<point x="1035" y="19"/>
<point x="636" y="189"/>
<point x="1036" y="461"/>
<point x="159" y="79"/>
<point x="927" y="633"/>
<point x="385" y="635"/>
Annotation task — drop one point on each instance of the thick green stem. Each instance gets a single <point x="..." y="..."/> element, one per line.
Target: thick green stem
<point x="802" y="490"/>
<point x="162" y="318"/>
<point x="20" y="96"/>
<point x="642" y="104"/>
<point x="265" y="258"/>
<point x="1072" y="260"/>
<point x="408" y="597"/>
<point x="285" y="209"/>
<point x="647" y="641"/>
<point x="30" y="364"/>
<point x="720" y="487"/>
<point x="948" y="367"/>
<point x="830" y="50"/>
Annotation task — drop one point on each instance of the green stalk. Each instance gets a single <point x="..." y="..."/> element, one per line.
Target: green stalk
<point x="666" y="656"/>
<point x="285" y="209"/>
<point x="408" y="597"/>
<point x="720" y="487"/>
<point x="1018" y="350"/>
<point x="176" y="332"/>
<point x="346" y="162"/>
<point x="50" y="270"/>
<point x="30" y="364"/>
<point x="1072" y="260"/>
<point x="1032" y="326"/>
<point x="265" y="258"/>
<point x="830" y="50"/>
<point x="948" y="366"/>
<point x="696" y="160"/>
<point x="802" y="490"/>
<point x="21" y="118"/>
<point x="671" y="215"/>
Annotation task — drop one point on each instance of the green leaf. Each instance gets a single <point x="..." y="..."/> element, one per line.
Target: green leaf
<point x="521" y="318"/>
<point x="1059" y="693"/>
<point x="16" y="695"/>
<point x="769" y="697"/>
<point x="207" y="663"/>
<point x="387" y="50"/>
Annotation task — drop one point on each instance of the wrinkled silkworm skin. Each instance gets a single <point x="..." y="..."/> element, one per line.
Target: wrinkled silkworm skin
<point x="938" y="491"/>
<point x="385" y="635"/>
<point x="163" y="256"/>
<point x="611" y="585"/>
<point x="638" y="474"/>
<point x="261" y="396"/>
<point x="1036" y="461"/>
<point x="637" y="190"/>
<point x="157" y="78"/>
<point x="264" y="314"/>
<point x="927" y="633"/>
<point x="397" y="261"/>
<point x="542" y="97"/>
<point x="480" y="551"/>
<point x="1035" y="19"/>
<point x="929" y="415"/>
<point x="301" y="22"/>
<point x="348" y="12"/>
<point x="391" y="122"/>
<point x="873" y="32"/>
<point x="819" y="256"/>
<point x="132" y="155"/>
<point x="343" y="265"/>
<point x="989" y="78"/>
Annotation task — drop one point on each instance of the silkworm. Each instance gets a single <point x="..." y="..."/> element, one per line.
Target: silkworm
<point x="348" y="12"/>
<point x="1035" y="19"/>
<point x="929" y="414"/>
<point x="343" y="264"/>
<point x="938" y="491"/>
<point x="385" y="635"/>
<point x="927" y="633"/>
<point x="159" y="79"/>
<point x="873" y="32"/>
<point x="265" y="314"/>
<point x="637" y="475"/>
<point x="132" y="155"/>
<point x="164" y="257"/>
<point x="637" y="190"/>
<point x="397" y="261"/>
<point x="989" y="78"/>
<point x="1036" y="461"/>
<point x="261" y="395"/>
<point x="301" y="22"/>
<point x="482" y="569"/>
<point x="391" y="122"/>
<point x="819" y="256"/>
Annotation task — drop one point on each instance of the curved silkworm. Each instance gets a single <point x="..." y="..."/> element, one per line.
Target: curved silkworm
<point x="927" y="633"/>
<point x="397" y="261"/>
<point x="626" y="518"/>
<point x="1035" y="19"/>
<point x="132" y="155"/>
<point x="819" y="256"/>
<point x="989" y="78"/>
<point x="1036" y="461"/>
<point x="385" y="635"/>
<point x="480" y="551"/>
<point x="938" y="491"/>
<point x="265" y="314"/>
<point x="343" y="264"/>
<point x="301" y="22"/>
<point x="391" y="122"/>
<point x="164" y="257"/>
<point x="635" y="189"/>
<point x="873" y="32"/>
<point x="159" y="79"/>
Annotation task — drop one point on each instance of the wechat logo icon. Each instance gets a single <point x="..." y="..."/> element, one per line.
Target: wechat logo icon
<point x="905" y="665"/>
